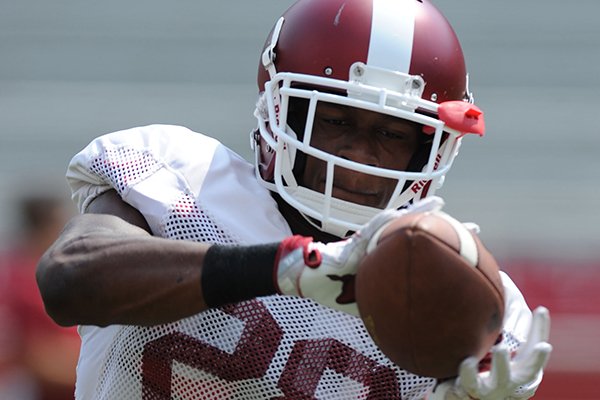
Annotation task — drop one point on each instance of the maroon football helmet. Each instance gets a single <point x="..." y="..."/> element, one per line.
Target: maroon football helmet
<point x="397" y="57"/>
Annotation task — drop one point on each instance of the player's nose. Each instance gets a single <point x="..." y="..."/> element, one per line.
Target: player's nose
<point x="360" y="147"/>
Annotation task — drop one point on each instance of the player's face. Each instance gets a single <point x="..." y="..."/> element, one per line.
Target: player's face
<point x="366" y="137"/>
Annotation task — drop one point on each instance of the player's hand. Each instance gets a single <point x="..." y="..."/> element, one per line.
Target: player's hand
<point x="507" y="379"/>
<point x="326" y="272"/>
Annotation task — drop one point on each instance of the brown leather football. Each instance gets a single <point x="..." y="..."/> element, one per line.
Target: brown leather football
<point x="430" y="294"/>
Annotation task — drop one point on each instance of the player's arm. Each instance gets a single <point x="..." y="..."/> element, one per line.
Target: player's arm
<point x="106" y="268"/>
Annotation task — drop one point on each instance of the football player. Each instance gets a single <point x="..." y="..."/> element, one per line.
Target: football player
<point x="193" y="274"/>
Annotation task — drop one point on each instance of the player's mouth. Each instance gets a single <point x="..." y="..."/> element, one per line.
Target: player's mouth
<point x="364" y="196"/>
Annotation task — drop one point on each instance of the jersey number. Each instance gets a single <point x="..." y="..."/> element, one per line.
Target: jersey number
<point x="257" y="346"/>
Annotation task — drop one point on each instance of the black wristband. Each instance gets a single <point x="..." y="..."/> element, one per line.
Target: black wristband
<point x="231" y="274"/>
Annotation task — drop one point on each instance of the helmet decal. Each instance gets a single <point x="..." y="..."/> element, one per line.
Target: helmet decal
<point x="392" y="32"/>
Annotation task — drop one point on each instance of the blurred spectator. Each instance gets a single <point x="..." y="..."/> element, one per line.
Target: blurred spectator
<point x="37" y="357"/>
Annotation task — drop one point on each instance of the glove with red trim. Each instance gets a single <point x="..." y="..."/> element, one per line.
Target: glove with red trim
<point x="325" y="272"/>
<point x="507" y="379"/>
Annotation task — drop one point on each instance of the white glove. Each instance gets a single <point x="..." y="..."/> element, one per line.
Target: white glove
<point x="507" y="379"/>
<point x="326" y="272"/>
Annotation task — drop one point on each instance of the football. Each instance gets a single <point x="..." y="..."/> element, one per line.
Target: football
<point x="430" y="294"/>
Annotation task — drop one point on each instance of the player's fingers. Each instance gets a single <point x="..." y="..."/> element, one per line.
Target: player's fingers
<point x="539" y="332"/>
<point x="468" y="375"/>
<point x="371" y="231"/>
<point x="500" y="373"/>
<point x="378" y="223"/>
<point x="472" y="227"/>
<point x="433" y="203"/>
<point x="527" y="370"/>
<point x="540" y="324"/>
<point x="368" y="236"/>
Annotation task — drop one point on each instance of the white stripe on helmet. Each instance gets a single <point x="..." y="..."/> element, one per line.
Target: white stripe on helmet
<point x="392" y="32"/>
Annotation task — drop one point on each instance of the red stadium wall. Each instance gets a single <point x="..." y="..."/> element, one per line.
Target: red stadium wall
<point x="572" y="294"/>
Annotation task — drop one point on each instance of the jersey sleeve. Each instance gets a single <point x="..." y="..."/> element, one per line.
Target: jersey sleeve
<point x="165" y="171"/>
<point x="123" y="159"/>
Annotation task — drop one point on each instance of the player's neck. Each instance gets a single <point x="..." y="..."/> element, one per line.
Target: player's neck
<point x="299" y="225"/>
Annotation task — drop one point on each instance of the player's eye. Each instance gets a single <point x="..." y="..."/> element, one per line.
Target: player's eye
<point x="336" y="122"/>
<point x="390" y="134"/>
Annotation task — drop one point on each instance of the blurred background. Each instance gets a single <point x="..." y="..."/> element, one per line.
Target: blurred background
<point x="72" y="70"/>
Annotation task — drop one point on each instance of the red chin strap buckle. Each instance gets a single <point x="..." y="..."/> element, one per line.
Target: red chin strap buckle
<point x="462" y="116"/>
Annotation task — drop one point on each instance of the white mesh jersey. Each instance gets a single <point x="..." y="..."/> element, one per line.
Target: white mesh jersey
<point x="191" y="187"/>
